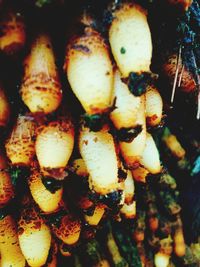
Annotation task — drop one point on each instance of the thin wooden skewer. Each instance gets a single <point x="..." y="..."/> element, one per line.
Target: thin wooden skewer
<point x="176" y="75"/>
<point x="181" y="75"/>
<point x="198" y="105"/>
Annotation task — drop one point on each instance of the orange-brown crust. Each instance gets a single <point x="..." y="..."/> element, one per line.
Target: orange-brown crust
<point x="183" y="4"/>
<point x="63" y="124"/>
<point x="125" y="9"/>
<point x="20" y="146"/>
<point x="89" y="43"/>
<point x="85" y="203"/>
<point x="67" y="228"/>
<point x="138" y="236"/>
<point x="5" y="109"/>
<point x="42" y="78"/>
<point x="153" y="223"/>
<point x="64" y="251"/>
<point x="188" y="83"/>
<point x="29" y="220"/>
<point x="41" y="88"/>
<point x="3" y="161"/>
<point x="13" y="32"/>
<point x="48" y="88"/>
<point x="6" y="188"/>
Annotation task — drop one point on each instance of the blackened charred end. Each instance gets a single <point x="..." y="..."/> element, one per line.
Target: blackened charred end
<point x="138" y="83"/>
<point x="112" y="200"/>
<point x="89" y="211"/>
<point x="81" y="48"/>
<point x="3" y="213"/>
<point x="157" y="128"/>
<point x="17" y="173"/>
<point x="13" y="48"/>
<point x="88" y="231"/>
<point x="122" y="175"/>
<point x="128" y="134"/>
<point x="51" y="184"/>
<point x="56" y="218"/>
<point x="94" y="122"/>
<point x="107" y="18"/>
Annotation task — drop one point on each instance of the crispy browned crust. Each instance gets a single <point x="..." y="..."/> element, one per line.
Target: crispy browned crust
<point x="88" y="43"/>
<point x="29" y="219"/>
<point x="124" y="10"/>
<point x="48" y="87"/>
<point x="43" y="78"/>
<point x="41" y="88"/>
<point x="68" y="226"/>
<point x="21" y="141"/>
<point x="63" y="124"/>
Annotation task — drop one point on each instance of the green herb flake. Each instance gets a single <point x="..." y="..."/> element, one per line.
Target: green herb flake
<point x="122" y="50"/>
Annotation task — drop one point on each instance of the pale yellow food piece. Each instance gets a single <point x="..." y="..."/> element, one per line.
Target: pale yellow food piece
<point x="98" y="151"/>
<point x="154" y="106"/>
<point x="127" y="105"/>
<point x="20" y="146"/>
<point x="103" y="263"/>
<point x="129" y="210"/>
<point x="174" y="146"/>
<point x="130" y="39"/>
<point x="41" y="89"/>
<point x="166" y="245"/>
<point x="97" y="215"/>
<point x="47" y="201"/>
<point x="54" y="144"/>
<point x="34" y="237"/>
<point x="114" y="251"/>
<point x="179" y="243"/>
<point x="90" y="72"/>
<point x="10" y="251"/>
<point x="35" y="246"/>
<point x="132" y="151"/>
<point x="68" y="230"/>
<point x="129" y="188"/>
<point x="150" y="157"/>
<point x="161" y="260"/>
<point x="140" y="174"/>
<point x="80" y="167"/>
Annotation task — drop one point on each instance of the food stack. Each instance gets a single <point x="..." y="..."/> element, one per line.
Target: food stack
<point x="90" y="166"/>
